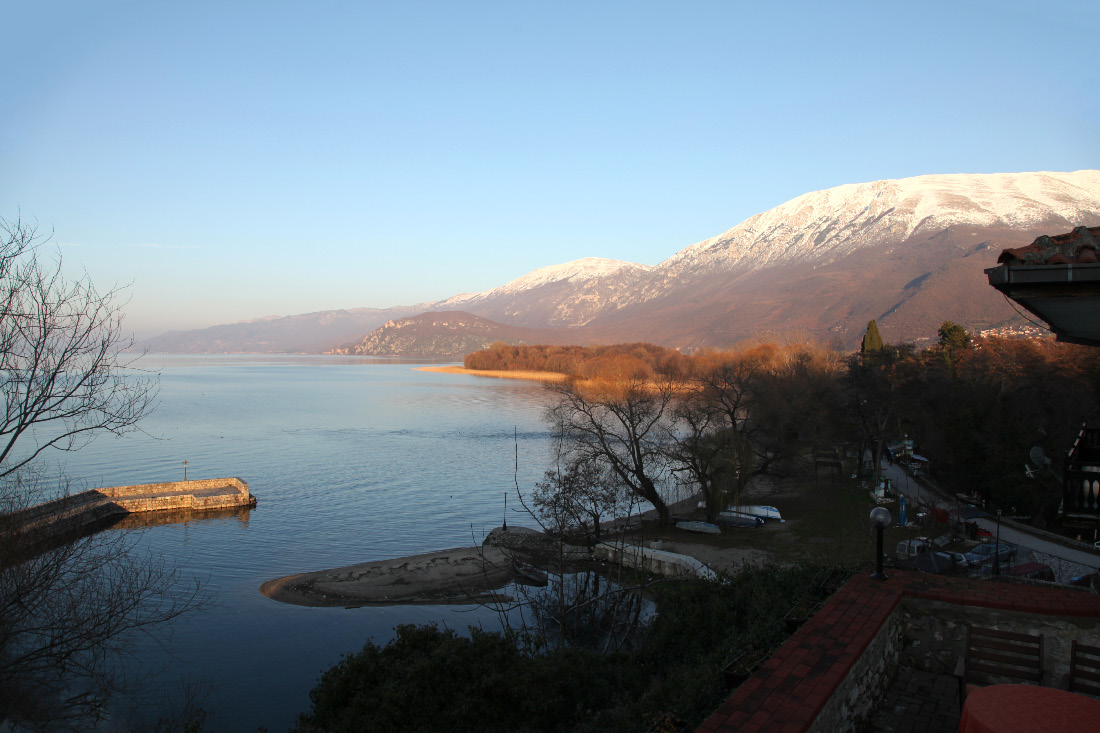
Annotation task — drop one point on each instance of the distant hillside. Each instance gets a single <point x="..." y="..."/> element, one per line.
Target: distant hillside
<point x="909" y="253"/>
<point x="450" y="333"/>
<point x="309" y="333"/>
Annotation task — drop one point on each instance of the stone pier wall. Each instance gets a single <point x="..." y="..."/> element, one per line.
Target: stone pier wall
<point x="87" y="508"/>
<point x="174" y="487"/>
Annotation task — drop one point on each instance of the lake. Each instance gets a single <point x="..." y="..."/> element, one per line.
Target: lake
<point x="351" y="460"/>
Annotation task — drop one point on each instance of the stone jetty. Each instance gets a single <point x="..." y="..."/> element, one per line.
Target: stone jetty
<point x="81" y="512"/>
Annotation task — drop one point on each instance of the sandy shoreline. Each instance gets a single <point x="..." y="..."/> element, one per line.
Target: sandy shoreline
<point x="499" y="374"/>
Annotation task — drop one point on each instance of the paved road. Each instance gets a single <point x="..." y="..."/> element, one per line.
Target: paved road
<point x="1065" y="561"/>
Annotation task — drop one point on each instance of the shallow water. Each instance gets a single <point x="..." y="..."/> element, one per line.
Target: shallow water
<point x="351" y="460"/>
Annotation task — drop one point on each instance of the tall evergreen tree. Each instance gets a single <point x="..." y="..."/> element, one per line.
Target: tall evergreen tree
<point x="872" y="341"/>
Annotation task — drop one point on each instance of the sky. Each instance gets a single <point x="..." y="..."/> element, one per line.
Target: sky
<point x="224" y="161"/>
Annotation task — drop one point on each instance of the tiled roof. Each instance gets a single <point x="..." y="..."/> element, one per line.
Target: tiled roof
<point x="1081" y="246"/>
<point x="789" y="692"/>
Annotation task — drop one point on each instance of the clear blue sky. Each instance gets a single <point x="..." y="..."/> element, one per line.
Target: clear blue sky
<point x="234" y="160"/>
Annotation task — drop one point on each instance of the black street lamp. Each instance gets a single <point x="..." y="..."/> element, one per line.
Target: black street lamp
<point x="880" y="520"/>
<point x="997" y="548"/>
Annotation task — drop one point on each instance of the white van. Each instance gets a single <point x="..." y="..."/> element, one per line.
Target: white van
<point x="909" y="549"/>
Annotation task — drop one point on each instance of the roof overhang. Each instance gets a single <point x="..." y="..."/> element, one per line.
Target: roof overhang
<point x="1065" y="296"/>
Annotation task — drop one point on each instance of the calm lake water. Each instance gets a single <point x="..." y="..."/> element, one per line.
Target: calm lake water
<point x="351" y="460"/>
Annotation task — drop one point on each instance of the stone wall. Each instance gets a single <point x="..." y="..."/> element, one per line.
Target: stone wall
<point x="935" y="633"/>
<point x="81" y="511"/>
<point x="854" y="700"/>
<point x="828" y="675"/>
<point x="175" y="486"/>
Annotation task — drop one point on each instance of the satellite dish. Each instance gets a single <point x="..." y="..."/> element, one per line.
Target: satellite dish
<point x="1039" y="458"/>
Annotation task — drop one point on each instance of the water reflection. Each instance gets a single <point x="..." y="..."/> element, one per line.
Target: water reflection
<point x="145" y="520"/>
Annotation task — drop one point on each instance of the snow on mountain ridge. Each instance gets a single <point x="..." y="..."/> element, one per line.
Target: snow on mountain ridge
<point x="831" y="223"/>
<point x="586" y="268"/>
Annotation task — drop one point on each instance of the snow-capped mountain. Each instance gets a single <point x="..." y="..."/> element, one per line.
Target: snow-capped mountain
<point x="571" y="294"/>
<point x="827" y="225"/>
<point x="908" y="252"/>
<point x="575" y="273"/>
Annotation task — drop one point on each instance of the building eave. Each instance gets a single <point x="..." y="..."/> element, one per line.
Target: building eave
<point x="1066" y="296"/>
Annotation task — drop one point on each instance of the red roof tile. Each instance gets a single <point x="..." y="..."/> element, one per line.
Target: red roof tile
<point x="1077" y="247"/>
<point x="804" y="673"/>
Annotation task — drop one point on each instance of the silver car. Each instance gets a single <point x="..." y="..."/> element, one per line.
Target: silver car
<point x="985" y="553"/>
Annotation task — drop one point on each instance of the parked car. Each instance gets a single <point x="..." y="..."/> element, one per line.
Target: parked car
<point x="1032" y="571"/>
<point x="932" y="562"/>
<point x="985" y="553"/>
<point x="956" y="557"/>
<point x="909" y="549"/>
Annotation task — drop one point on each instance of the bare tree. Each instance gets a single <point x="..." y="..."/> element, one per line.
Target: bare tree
<point x="67" y="606"/>
<point x="63" y="376"/>
<point x="574" y="498"/>
<point x="748" y="413"/>
<point x="724" y="439"/>
<point x="618" y="423"/>
<point x="707" y="453"/>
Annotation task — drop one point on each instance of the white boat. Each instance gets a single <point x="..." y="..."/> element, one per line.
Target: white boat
<point x="738" y="519"/>
<point x="758" y="510"/>
<point x="703" y="527"/>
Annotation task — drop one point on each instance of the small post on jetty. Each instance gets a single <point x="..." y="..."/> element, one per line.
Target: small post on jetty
<point x="505" y="511"/>
<point x="185" y="471"/>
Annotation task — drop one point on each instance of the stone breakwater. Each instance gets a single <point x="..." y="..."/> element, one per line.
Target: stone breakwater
<point x="79" y="512"/>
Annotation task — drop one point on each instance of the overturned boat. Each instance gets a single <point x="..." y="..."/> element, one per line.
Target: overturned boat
<point x="702" y="527"/>
<point x="767" y="513"/>
<point x="738" y="519"/>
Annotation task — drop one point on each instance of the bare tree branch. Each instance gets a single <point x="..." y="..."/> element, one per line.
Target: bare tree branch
<point x="69" y="608"/>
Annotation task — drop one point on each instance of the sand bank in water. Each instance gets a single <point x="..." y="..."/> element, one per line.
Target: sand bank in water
<point x="462" y="575"/>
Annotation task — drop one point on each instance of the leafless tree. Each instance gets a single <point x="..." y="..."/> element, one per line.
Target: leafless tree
<point x="707" y="454"/>
<point x="749" y="413"/>
<point x="618" y="422"/>
<point x="574" y="498"/>
<point x="70" y="605"/>
<point x="63" y="375"/>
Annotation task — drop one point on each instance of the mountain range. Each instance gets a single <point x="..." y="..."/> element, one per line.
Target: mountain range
<point x="909" y="253"/>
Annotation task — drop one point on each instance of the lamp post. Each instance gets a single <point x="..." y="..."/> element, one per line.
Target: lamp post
<point x="185" y="472"/>
<point x="880" y="520"/>
<point x="997" y="548"/>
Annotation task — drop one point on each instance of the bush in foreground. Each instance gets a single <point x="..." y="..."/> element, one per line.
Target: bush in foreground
<point x="433" y="679"/>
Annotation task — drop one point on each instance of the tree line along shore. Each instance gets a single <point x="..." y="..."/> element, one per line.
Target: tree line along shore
<point x="974" y="405"/>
